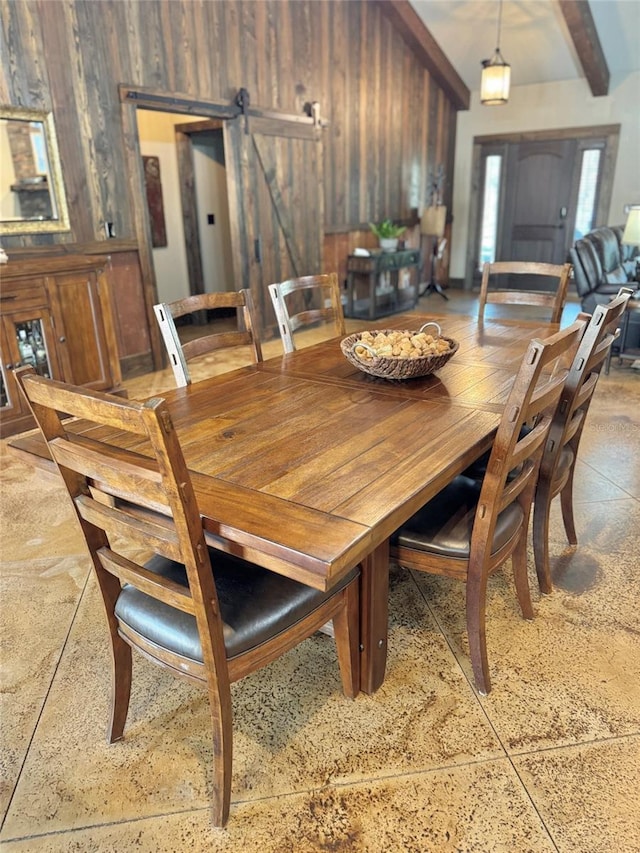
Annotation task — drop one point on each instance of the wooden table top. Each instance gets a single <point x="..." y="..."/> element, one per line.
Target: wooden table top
<point x="309" y="464"/>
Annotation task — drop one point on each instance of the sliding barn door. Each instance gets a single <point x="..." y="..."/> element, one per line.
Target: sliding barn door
<point x="274" y="180"/>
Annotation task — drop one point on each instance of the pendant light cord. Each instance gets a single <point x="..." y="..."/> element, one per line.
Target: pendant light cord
<point x="499" y="25"/>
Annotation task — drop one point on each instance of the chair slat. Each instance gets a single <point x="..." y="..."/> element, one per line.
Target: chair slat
<point x="148" y="582"/>
<point x="209" y="343"/>
<point x="120" y="474"/>
<point x="148" y="530"/>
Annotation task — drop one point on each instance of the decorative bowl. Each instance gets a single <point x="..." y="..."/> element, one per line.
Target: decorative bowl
<point x="365" y="358"/>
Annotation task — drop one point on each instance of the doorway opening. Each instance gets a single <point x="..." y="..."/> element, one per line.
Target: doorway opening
<point x="190" y="174"/>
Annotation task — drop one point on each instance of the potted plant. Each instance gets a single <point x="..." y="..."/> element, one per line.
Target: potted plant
<point x="387" y="233"/>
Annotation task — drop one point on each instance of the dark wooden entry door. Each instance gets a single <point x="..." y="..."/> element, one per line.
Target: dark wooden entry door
<point x="274" y="180"/>
<point x="534" y="193"/>
<point x="538" y="195"/>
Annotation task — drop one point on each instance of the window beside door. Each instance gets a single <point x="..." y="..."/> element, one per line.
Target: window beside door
<point x="587" y="192"/>
<point x="490" y="209"/>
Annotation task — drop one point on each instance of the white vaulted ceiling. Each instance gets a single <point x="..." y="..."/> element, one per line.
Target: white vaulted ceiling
<point x="535" y="38"/>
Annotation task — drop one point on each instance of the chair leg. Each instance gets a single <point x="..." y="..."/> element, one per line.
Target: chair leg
<point x="222" y="725"/>
<point x="566" y="502"/>
<point x="541" y="510"/>
<point x="346" y="626"/>
<point x="120" y="687"/>
<point x="476" y="602"/>
<point x="519" y="564"/>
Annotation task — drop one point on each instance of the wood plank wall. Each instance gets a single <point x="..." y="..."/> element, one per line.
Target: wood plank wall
<point x="389" y="123"/>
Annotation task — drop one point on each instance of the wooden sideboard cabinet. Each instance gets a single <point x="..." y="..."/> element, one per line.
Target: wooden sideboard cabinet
<point x="375" y="287"/>
<point x="55" y="314"/>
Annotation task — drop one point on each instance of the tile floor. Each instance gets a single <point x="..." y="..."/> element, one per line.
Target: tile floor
<point x="549" y="761"/>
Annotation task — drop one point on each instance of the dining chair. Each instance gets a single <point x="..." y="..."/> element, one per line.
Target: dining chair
<point x="207" y="616"/>
<point x="197" y="307"/>
<point x="470" y="528"/>
<point x="304" y="301"/>
<point x="554" y="300"/>
<point x="558" y="463"/>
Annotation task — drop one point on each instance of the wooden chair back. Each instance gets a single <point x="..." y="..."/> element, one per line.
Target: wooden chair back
<point x="489" y="522"/>
<point x="305" y="301"/>
<point x="142" y="494"/>
<point x="554" y="300"/>
<point x="132" y="493"/>
<point x="561" y="450"/>
<point x="515" y="457"/>
<point x="180" y="353"/>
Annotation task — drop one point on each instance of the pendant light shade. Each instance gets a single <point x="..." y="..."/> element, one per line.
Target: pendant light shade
<point x="495" y="80"/>
<point x="496" y="75"/>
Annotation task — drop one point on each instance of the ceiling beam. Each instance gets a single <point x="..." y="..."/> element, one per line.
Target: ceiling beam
<point x="582" y="29"/>
<point x="411" y="27"/>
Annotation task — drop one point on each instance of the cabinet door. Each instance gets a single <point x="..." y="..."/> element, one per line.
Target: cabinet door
<point x="26" y="337"/>
<point x="12" y="405"/>
<point x="80" y="326"/>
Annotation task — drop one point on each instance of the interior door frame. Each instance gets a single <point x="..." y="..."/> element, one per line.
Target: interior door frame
<point x="186" y="176"/>
<point x="498" y="143"/>
<point x="132" y="97"/>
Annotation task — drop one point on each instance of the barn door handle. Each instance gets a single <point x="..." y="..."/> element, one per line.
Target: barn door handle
<point x="257" y="249"/>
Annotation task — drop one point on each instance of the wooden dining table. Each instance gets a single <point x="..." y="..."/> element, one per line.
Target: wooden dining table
<point x="306" y="465"/>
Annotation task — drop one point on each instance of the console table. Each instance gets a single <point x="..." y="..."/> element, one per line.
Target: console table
<point x="374" y="287"/>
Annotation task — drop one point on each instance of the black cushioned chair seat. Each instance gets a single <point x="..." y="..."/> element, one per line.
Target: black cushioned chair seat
<point x="444" y="524"/>
<point x="255" y="604"/>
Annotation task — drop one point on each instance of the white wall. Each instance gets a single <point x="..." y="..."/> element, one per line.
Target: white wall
<point x="548" y="106"/>
<point x="211" y="197"/>
<point x="157" y="139"/>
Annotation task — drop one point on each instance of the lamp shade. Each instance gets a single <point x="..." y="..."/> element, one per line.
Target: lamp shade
<point x="495" y="81"/>
<point x="433" y="220"/>
<point x="631" y="234"/>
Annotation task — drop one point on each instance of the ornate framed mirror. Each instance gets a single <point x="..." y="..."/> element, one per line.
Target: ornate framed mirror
<point x="32" y="197"/>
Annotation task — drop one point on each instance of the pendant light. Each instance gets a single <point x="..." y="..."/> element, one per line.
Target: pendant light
<point x="496" y="75"/>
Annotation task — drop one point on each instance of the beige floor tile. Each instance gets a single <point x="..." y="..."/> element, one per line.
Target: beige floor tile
<point x="294" y="731"/>
<point x="573" y="673"/>
<point x="588" y="796"/>
<point x="43" y="568"/>
<point x="590" y="486"/>
<point x="611" y="436"/>
<point x="36" y="519"/>
<point x="36" y="611"/>
<point x="609" y="528"/>
<point x="477" y="807"/>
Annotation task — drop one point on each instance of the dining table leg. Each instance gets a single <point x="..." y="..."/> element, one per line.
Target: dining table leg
<point x="374" y="610"/>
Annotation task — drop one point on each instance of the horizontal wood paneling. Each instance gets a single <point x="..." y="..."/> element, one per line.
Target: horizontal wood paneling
<point x="389" y="121"/>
